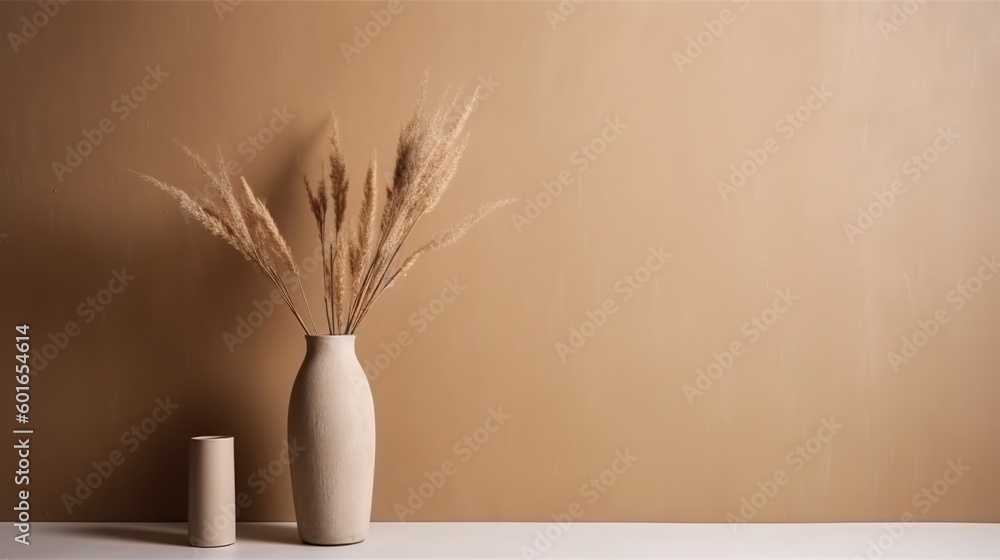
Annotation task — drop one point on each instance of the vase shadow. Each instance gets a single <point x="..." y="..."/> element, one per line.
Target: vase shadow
<point x="268" y="532"/>
<point x="154" y="534"/>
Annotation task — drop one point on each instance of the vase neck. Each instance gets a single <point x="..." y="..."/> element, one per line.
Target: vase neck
<point x="330" y="343"/>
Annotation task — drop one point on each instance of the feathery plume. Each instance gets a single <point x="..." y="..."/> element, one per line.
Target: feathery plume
<point x="338" y="174"/>
<point x="360" y="257"/>
<point x="447" y="237"/>
<point x="244" y="223"/>
<point x="365" y="232"/>
<point x="262" y="218"/>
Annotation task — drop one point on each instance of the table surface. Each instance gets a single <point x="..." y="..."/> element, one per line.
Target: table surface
<point x="482" y="541"/>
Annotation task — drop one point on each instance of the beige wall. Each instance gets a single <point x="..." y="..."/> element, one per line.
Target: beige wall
<point x="495" y="346"/>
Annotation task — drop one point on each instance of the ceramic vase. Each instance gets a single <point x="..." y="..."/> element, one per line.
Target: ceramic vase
<point x="331" y="417"/>
<point x="211" y="492"/>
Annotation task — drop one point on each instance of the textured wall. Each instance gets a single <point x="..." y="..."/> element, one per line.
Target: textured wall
<point x="711" y="314"/>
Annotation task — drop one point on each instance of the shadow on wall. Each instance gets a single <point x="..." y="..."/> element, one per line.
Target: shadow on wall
<point x="141" y="336"/>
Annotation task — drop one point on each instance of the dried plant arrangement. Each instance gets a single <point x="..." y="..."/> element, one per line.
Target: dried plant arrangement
<point x="362" y="256"/>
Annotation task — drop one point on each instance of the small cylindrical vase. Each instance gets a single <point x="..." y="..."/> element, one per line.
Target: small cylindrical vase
<point x="211" y="492"/>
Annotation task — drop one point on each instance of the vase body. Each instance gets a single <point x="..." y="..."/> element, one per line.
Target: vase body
<point x="331" y="417"/>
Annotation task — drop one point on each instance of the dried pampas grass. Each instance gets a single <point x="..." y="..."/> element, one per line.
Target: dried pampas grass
<point x="362" y="258"/>
<point x="429" y="149"/>
<point x="244" y="223"/>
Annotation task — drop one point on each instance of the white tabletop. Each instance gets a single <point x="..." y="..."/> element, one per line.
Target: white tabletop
<point x="482" y="541"/>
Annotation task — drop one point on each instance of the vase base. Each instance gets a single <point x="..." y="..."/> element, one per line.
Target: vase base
<point x="193" y="545"/>
<point x="345" y="543"/>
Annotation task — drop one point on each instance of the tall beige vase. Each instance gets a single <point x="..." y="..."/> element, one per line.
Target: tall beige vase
<point x="331" y="416"/>
<point x="211" y="492"/>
